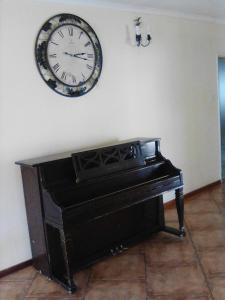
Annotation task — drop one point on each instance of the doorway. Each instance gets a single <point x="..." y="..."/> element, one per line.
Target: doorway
<point x="221" y="69"/>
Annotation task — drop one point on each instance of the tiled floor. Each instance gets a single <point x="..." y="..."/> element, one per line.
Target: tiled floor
<point x="162" y="268"/>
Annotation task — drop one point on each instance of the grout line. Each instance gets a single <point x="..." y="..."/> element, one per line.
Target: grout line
<point x="199" y="262"/>
<point x="217" y="205"/>
<point x="28" y="289"/>
<point x="146" y="290"/>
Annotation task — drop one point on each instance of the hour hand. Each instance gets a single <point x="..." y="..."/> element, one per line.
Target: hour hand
<point x="76" y="55"/>
<point x="80" y="53"/>
<point x="68" y="53"/>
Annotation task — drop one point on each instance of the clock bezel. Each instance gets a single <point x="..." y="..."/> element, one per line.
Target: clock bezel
<point x="42" y="62"/>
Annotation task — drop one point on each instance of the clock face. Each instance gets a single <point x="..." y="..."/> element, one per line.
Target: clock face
<point x="68" y="55"/>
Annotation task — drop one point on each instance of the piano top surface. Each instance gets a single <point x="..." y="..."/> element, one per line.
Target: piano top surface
<point x="44" y="159"/>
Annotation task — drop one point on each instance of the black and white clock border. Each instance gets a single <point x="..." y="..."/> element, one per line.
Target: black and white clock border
<point x="42" y="61"/>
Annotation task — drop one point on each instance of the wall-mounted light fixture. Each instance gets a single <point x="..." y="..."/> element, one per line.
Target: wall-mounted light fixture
<point x="139" y="39"/>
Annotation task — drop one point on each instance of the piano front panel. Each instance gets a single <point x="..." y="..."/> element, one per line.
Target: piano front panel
<point x="106" y="205"/>
<point x="99" y="236"/>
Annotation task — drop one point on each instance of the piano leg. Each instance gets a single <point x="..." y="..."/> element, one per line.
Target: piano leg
<point x="67" y="278"/>
<point x="180" y="213"/>
<point x="180" y="210"/>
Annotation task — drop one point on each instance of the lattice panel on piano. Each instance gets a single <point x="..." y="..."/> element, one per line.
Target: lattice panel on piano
<point x="107" y="160"/>
<point x="94" y="159"/>
<point x="110" y="156"/>
<point x="127" y="153"/>
<point x="90" y="161"/>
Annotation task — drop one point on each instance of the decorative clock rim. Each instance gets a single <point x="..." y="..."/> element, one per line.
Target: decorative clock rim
<point x="96" y="46"/>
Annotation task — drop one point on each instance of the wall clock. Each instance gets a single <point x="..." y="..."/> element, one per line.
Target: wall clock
<point x="68" y="55"/>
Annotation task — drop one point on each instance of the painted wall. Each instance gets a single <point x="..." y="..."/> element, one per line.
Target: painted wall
<point x="221" y="69"/>
<point x="168" y="90"/>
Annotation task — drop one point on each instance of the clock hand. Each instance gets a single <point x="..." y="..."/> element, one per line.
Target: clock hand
<point x="75" y="55"/>
<point x="68" y="53"/>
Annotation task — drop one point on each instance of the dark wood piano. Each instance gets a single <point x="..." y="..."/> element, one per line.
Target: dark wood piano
<point x="82" y="206"/>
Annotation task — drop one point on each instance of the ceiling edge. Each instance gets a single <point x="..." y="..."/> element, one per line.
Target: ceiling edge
<point x="139" y="9"/>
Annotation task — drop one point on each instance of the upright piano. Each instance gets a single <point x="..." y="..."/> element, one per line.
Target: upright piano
<point x="82" y="206"/>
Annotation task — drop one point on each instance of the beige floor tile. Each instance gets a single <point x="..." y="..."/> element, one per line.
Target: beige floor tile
<point x="218" y="288"/>
<point x="178" y="281"/>
<point x="214" y="262"/>
<point x="182" y="297"/>
<point x="208" y="239"/>
<point x="122" y="267"/>
<point x="170" y="254"/>
<point x="171" y="215"/>
<point x="25" y="274"/>
<point x="200" y="206"/>
<point x="205" y="221"/>
<point x="116" y="290"/>
<point x="13" y="290"/>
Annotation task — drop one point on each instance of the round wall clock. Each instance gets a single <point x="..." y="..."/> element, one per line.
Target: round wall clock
<point x="68" y="55"/>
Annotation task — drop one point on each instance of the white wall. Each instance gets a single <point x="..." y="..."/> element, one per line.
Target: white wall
<point x="168" y="90"/>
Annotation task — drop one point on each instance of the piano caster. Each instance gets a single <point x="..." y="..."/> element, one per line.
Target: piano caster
<point x="71" y="289"/>
<point x="182" y="232"/>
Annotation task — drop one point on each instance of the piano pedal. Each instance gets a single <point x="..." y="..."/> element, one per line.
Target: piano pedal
<point x="112" y="251"/>
<point x="124" y="248"/>
<point x="117" y="250"/>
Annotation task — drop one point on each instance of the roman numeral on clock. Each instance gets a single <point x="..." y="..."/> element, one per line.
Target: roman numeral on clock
<point x="63" y="76"/>
<point x="89" y="67"/>
<point x="56" y="67"/>
<point x="52" y="55"/>
<point x="61" y="34"/>
<point x="87" y="44"/>
<point x="80" y="34"/>
<point x="54" y="43"/>
<point x="70" y="30"/>
<point x="74" y="79"/>
<point x="90" y="55"/>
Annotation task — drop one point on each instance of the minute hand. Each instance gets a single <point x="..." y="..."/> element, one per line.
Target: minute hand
<point x="75" y="55"/>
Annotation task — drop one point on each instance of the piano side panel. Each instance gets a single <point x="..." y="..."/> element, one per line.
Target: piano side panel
<point x="150" y="149"/>
<point x="58" y="172"/>
<point x="35" y="218"/>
